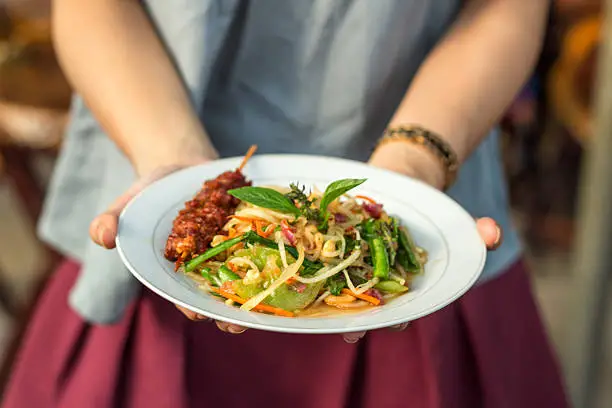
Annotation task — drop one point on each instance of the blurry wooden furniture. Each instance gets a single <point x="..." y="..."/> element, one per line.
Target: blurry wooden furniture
<point x="34" y="99"/>
<point x="34" y="102"/>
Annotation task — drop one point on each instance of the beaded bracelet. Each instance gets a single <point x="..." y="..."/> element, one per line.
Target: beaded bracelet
<point x="434" y="143"/>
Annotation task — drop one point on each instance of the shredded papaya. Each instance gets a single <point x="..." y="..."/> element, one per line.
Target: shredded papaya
<point x="245" y="219"/>
<point x="260" y="308"/>
<point x="367" y="298"/>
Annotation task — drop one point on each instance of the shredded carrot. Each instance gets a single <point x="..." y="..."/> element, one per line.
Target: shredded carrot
<point x="261" y="308"/>
<point x="367" y="298"/>
<point x="231" y="233"/>
<point x="259" y="227"/>
<point x="367" y="199"/>
<point x="247" y="156"/>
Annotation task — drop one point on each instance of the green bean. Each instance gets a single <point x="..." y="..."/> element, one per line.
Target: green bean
<point x="226" y="274"/>
<point x="390" y="286"/>
<point x="378" y="250"/>
<point x="212" y="252"/>
<point x="212" y="279"/>
<point x="407" y="245"/>
<point x="380" y="258"/>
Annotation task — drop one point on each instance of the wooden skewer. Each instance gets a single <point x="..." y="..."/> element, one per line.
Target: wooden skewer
<point x="247" y="156"/>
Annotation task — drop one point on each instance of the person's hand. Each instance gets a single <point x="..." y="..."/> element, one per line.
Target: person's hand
<point x="417" y="163"/>
<point x="103" y="229"/>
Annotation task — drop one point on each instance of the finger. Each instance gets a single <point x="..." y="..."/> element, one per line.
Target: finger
<point x="191" y="315"/>
<point x="399" y="327"/>
<point x="353" y="337"/>
<point x="490" y="232"/>
<point x="103" y="229"/>
<point x="230" y="328"/>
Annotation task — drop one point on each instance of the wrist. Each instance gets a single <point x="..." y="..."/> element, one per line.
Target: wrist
<point x="411" y="160"/>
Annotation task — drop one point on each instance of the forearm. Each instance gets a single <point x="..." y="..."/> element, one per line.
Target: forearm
<point x="471" y="77"/>
<point x="115" y="61"/>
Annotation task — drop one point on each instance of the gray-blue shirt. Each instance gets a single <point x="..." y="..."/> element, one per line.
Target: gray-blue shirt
<point x="315" y="77"/>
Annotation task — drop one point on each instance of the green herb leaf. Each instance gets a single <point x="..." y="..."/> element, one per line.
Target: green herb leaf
<point x="297" y="194"/>
<point x="335" y="284"/>
<point x="336" y="189"/>
<point x="265" y="198"/>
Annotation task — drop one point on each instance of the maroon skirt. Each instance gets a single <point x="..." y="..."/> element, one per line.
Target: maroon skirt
<point x="489" y="349"/>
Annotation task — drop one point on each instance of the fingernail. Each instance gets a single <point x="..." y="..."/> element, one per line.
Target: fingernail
<point x="201" y="317"/>
<point x="352" y="340"/>
<point x="100" y="234"/>
<point x="399" y="327"/>
<point x="498" y="237"/>
<point x="236" y="330"/>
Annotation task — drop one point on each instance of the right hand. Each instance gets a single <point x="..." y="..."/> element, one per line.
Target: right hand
<point x="103" y="229"/>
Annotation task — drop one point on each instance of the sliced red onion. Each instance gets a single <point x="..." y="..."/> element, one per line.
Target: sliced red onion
<point x="340" y="218"/>
<point x="375" y="210"/>
<point x="375" y="293"/>
<point x="288" y="233"/>
<point x="299" y="287"/>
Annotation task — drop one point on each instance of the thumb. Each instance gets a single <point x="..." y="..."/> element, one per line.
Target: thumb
<point x="103" y="228"/>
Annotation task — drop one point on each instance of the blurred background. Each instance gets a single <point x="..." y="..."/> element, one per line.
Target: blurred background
<point x="548" y="133"/>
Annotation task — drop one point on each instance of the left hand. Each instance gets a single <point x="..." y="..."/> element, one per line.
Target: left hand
<point x="416" y="162"/>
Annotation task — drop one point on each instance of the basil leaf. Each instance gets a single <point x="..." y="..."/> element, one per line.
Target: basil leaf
<point x="336" y="189"/>
<point x="266" y="198"/>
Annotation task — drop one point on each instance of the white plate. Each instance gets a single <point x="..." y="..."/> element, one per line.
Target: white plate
<point x="456" y="251"/>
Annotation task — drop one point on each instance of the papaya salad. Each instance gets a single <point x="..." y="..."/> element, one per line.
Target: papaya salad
<point x="289" y="252"/>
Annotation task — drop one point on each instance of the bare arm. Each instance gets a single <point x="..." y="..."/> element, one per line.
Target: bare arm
<point x="470" y="78"/>
<point x="115" y="61"/>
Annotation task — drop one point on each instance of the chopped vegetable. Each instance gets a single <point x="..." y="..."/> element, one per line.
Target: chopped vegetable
<point x="409" y="248"/>
<point x="363" y="197"/>
<point x="191" y="265"/>
<point x="288" y="272"/>
<point x="286" y="297"/>
<point x="212" y="279"/>
<point x="226" y="274"/>
<point x="335" y="284"/>
<point x="374" y="210"/>
<point x="390" y="286"/>
<point x="259" y="227"/>
<point x="362" y="296"/>
<point x="378" y="251"/>
<point x="263" y="308"/>
<point x="309" y="266"/>
<point x="288" y="233"/>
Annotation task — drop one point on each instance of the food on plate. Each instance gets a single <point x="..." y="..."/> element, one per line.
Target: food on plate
<point x="204" y="215"/>
<point x="289" y="252"/>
